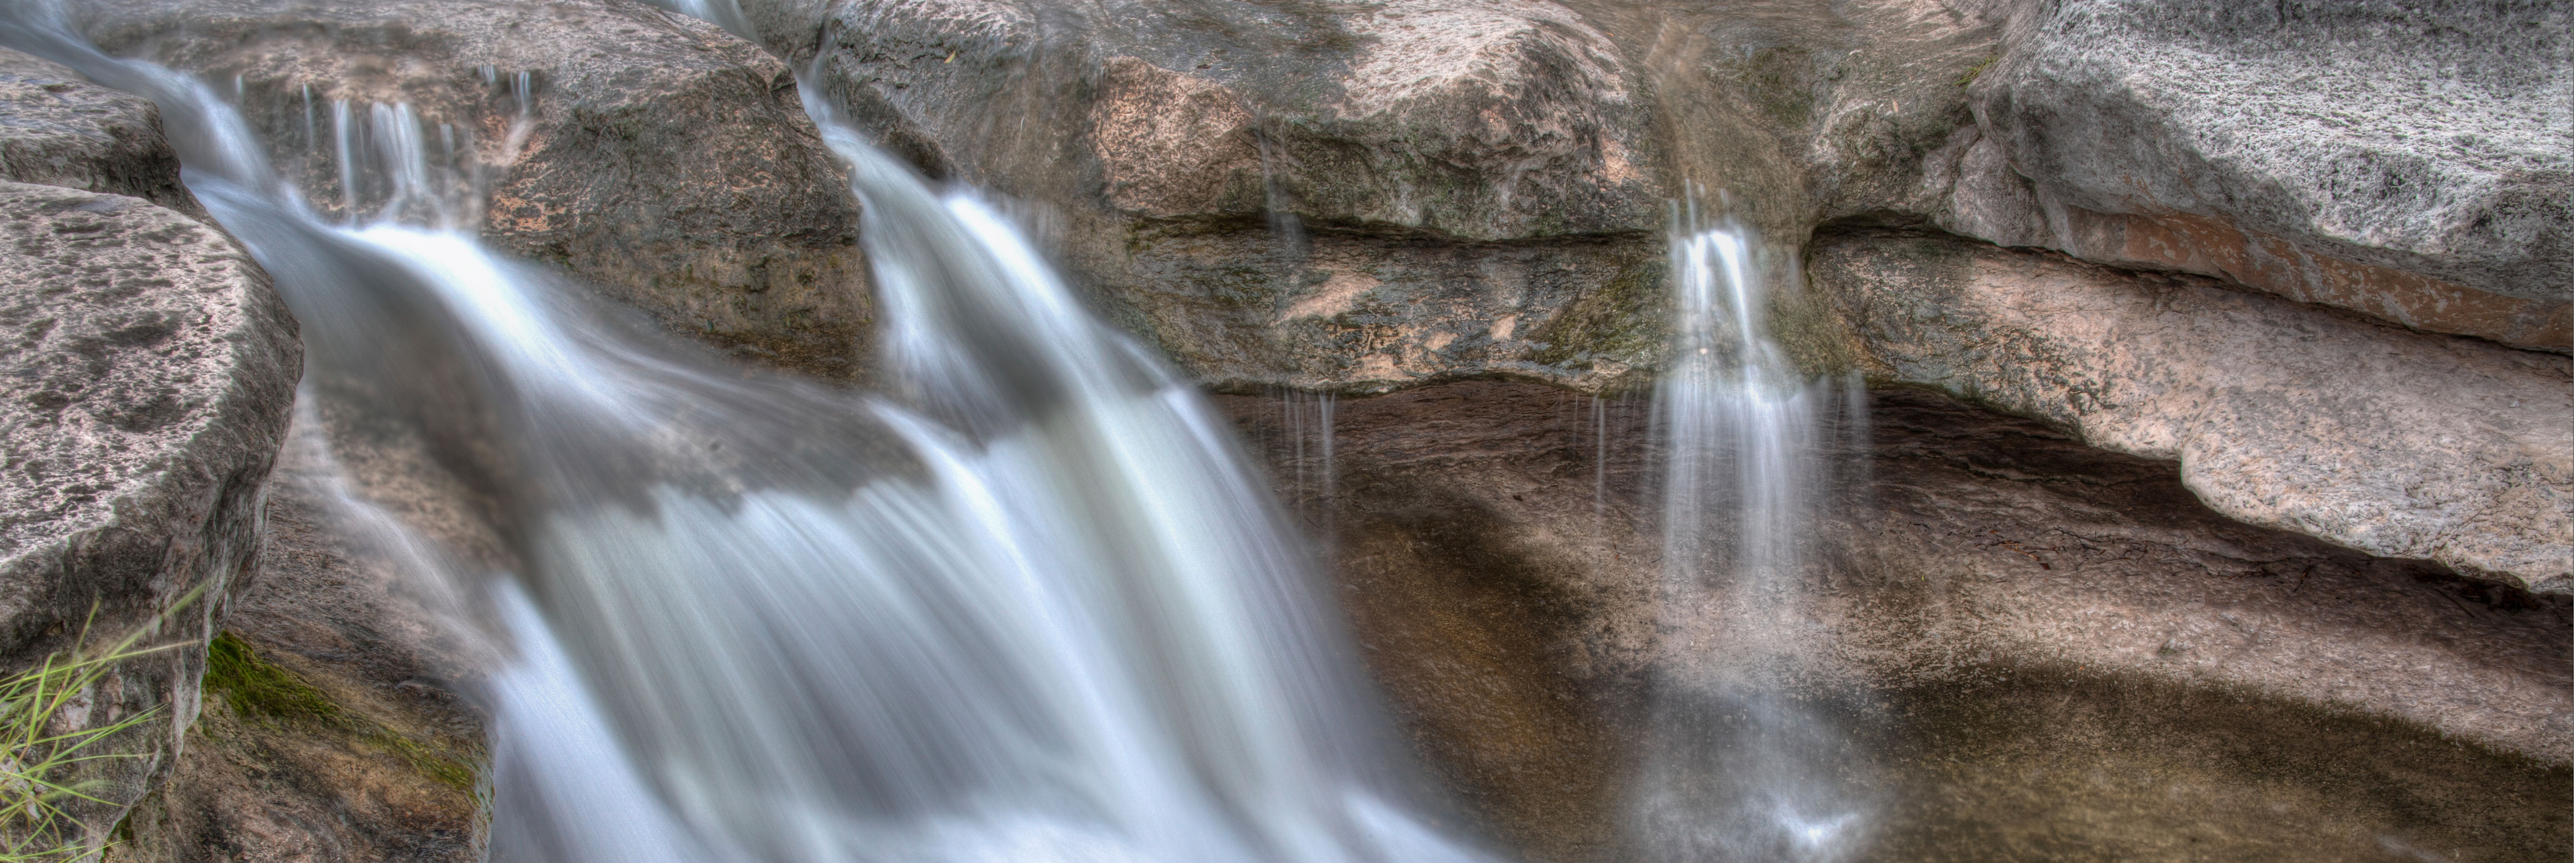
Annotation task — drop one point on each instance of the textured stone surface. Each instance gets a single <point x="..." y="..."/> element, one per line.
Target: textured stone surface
<point x="58" y="130"/>
<point x="1215" y="172"/>
<point x="2410" y="161"/>
<point x="386" y="770"/>
<point x="655" y="155"/>
<point x="2396" y="443"/>
<point x="152" y="370"/>
<point x="2021" y="612"/>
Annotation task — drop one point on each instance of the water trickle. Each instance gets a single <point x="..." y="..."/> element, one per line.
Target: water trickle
<point x="1745" y="768"/>
<point x="1035" y="607"/>
<point x="1307" y="419"/>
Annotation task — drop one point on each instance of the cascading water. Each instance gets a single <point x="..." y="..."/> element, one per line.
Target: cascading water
<point x="1737" y="768"/>
<point x="1037" y="610"/>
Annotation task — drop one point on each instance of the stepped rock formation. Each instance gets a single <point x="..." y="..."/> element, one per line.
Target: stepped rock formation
<point x="153" y="369"/>
<point x="2302" y="270"/>
<point x="1169" y="134"/>
<point x="2009" y="603"/>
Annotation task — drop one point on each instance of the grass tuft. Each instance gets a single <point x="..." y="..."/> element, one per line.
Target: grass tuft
<point x="37" y="762"/>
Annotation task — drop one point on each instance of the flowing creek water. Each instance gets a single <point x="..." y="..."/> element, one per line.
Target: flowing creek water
<point x="1035" y="607"/>
<point x="1031" y="603"/>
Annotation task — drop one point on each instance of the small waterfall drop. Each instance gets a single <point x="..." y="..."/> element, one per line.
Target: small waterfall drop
<point x="1739" y="766"/>
<point x="1035" y="607"/>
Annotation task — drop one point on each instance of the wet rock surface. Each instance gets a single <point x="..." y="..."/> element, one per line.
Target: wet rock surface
<point x="153" y="369"/>
<point x="2045" y="649"/>
<point x="59" y="130"/>
<point x="652" y="154"/>
<point x="2396" y="443"/>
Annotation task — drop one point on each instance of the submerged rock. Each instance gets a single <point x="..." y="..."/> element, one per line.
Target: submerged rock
<point x="2396" y="443"/>
<point x="650" y="153"/>
<point x="154" y="369"/>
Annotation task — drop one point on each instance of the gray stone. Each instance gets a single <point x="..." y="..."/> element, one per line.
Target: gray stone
<point x="2397" y="443"/>
<point x="656" y="156"/>
<point x="152" y="373"/>
<point x="2410" y="161"/>
<point x="59" y="130"/>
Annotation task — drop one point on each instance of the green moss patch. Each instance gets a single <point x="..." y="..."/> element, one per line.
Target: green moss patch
<point x="263" y="692"/>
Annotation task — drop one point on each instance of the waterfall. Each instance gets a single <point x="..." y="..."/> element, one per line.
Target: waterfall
<point x="1032" y="606"/>
<point x="1739" y="766"/>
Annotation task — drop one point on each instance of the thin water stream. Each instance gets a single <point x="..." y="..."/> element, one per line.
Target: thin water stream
<point x="1739" y="768"/>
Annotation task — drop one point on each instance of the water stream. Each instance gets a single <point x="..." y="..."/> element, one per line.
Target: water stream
<point x="1032" y="606"/>
<point x="1739" y="766"/>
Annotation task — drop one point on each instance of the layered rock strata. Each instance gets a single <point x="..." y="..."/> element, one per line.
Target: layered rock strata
<point x="1358" y="200"/>
<point x="2396" y="443"/>
<point x="154" y="369"/>
<point x="2410" y="162"/>
<point x="2015" y="610"/>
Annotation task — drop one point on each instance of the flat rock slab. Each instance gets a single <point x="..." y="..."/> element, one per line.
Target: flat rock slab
<point x="2407" y="161"/>
<point x="2392" y="442"/>
<point x="58" y="130"/>
<point x="151" y="373"/>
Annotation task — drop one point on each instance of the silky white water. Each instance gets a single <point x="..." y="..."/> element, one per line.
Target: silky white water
<point x="1736" y="765"/>
<point x="1032" y="606"/>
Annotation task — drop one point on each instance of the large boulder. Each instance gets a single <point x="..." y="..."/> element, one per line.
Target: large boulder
<point x="1357" y="199"/>
<point x="59" y="130"/>
<point x="154" y="371"/>
<point x="2397" y="443"/>
<point x="2409" y="161"/>
<point x="652" y="154"/>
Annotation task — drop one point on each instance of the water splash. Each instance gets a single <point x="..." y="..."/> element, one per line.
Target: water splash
<point x="1743" y="769"/>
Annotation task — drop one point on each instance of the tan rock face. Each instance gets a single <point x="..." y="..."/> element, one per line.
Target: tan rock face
<point x="652" y="154"/>
<point x="2018" y="615"/>
<point x="1227" y="179"/>
<point x="153" y="370"/>
<point x="2396" y="443"/>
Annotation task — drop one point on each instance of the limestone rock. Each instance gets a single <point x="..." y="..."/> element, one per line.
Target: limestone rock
<point x="2407" y="161"/>
<point x="59" y="130"/>
<point x="2396" y="443"/>
<point x="2020" y="614"/>
<point x="650" y="153"/>
<point x="153" y="372"/>
<point x="1214" y="173"/>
